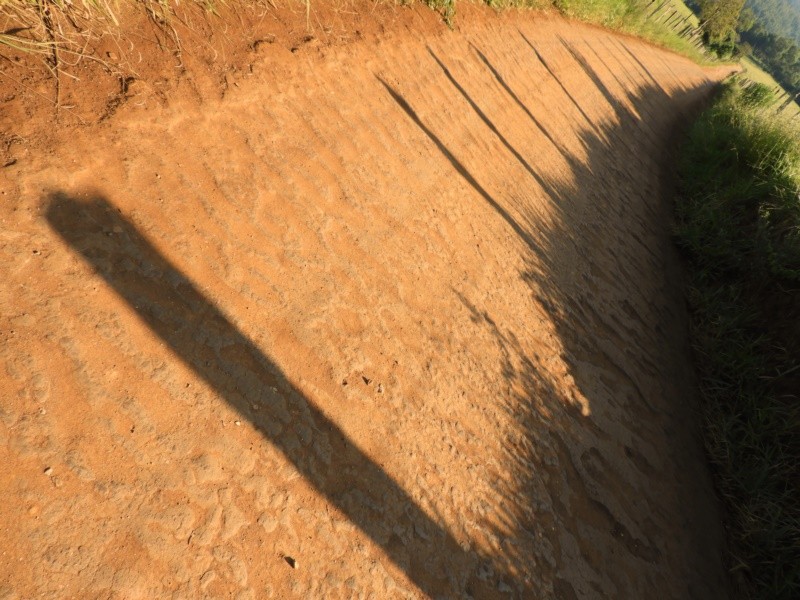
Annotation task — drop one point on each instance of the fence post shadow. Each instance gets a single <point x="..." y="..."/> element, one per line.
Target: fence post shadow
<point x="603" y="162"/>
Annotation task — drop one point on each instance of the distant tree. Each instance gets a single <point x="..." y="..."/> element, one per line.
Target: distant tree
<point x="747" y="19"/>
<point x="719" y="19"/>
<point x="780" y="17"/>
<point x="780" y="47"/>
<point x="779" y="55"/>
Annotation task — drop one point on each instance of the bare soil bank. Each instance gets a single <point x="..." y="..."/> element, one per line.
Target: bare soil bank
<point x="402" y="309"/>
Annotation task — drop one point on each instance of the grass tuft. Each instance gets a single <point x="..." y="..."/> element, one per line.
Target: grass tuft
<point x="447" y="8"/>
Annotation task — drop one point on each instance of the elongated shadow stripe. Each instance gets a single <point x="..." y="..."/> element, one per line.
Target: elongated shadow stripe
<point x="175" y="309"/>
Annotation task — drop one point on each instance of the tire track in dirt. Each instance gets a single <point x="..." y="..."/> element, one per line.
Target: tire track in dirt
<point x="407" y="312"/>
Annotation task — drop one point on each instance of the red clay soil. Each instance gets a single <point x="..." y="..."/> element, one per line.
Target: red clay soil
<point x="392" y="315"/>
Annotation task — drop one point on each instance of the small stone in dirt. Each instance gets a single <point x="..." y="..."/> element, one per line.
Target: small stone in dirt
<point x="503" y="587"/>
<point x="259" y="43"/>
<point x="48" y="471"/>
<point x="380" y="388"/>
<point x="290" y="561"/>
<point x="237" y="423"/>
<point x="344" y="381"/>
<point x="366" y="380"/>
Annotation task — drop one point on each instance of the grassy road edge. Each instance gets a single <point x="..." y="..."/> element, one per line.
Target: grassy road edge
<point x="738" y="223"/>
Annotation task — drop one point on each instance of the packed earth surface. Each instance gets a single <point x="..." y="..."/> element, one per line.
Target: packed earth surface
<point x="387" y="314"/>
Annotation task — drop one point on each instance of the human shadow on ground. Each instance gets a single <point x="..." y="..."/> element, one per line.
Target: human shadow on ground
<point x="199" y="334"/>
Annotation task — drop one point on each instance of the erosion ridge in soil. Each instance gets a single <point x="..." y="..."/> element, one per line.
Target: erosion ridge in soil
<point x="398" y="316"/>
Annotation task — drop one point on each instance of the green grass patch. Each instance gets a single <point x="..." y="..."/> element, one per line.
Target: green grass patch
<point x="753" y="71"/>
<point x="738" y="221"/>
<point x="649" y="19"/>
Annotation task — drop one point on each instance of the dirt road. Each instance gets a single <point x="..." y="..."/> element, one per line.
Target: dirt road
<point x="390" y="319"/>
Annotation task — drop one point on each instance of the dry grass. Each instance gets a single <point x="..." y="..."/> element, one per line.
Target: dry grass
<point x="62" y="30"/>
<point x="69" y="27"/>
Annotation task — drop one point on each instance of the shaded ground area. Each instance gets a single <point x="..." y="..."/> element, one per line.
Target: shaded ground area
<point x="406" y="313"/>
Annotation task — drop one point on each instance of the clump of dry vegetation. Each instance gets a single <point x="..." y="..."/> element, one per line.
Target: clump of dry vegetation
<point x="64" y="30"/>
